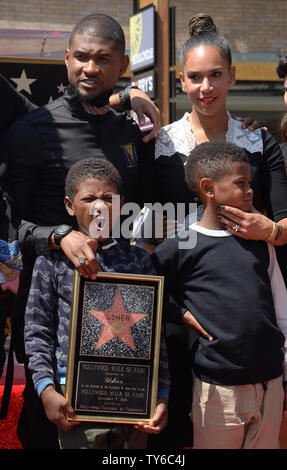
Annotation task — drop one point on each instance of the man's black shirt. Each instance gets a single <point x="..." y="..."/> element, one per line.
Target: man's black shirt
<point x="13" y="106"/>
<point x="46" y="143"/>
<point x="40" y="148"/>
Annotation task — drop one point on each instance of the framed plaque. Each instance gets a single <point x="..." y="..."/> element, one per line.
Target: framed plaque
<point x="113" y="358"/>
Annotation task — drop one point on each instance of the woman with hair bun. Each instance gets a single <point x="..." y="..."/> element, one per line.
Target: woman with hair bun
<point x="201" y="23"/>
<point x="206" y="75"/>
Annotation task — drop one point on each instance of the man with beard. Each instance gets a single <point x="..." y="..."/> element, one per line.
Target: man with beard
<point x="42" y="147"/>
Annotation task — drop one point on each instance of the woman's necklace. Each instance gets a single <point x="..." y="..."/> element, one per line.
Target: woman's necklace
<point x="200" y="135"/>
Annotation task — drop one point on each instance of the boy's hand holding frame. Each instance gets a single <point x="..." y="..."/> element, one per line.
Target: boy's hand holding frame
<point x="158" y="421"/>
<point x="57" y="408"/>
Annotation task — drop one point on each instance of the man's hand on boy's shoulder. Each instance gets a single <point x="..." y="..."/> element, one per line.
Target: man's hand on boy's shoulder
<point x="57" y="408"/>
<point x="249" y="123"/>
<point x="81" y="251"/>
<point x="158" y="421"/>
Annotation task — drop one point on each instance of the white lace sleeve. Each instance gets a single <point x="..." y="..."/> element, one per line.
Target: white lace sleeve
<point x="175" y="137"/>
<point x="250" y="141"/>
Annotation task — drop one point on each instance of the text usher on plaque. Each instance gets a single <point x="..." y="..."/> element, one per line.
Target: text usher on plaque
<point x="113" y="358"/>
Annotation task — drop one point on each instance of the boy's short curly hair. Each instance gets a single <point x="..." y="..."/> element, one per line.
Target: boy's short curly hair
<point x="212" y="160"/>
<point x="90" y="168"/>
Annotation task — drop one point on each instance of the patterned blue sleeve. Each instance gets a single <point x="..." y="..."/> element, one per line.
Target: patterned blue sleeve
<point x="41" y="323"/>
<point x="163" y="375"/>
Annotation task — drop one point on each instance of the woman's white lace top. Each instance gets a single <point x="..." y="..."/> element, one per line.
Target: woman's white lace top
<point x="177" y="137"/>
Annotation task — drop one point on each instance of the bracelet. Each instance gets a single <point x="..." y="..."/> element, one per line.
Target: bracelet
<point x="278" y="232"/>
<point x="273" y="234"/>
<point x="126" y="96"/>
<point x="122" y="98"/>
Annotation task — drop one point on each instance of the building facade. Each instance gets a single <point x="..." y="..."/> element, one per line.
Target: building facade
<point x="255" y="30"/>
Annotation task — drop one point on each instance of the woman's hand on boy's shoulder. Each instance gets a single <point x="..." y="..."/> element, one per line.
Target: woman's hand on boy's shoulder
<point x="248" y="225"/>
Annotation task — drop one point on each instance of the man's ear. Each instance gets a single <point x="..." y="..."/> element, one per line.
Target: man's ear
<point x="206" y="186"/>
<point x="124" y="64"/>
<point x="67" y="52"/>
<point x="69" y="206"/>
<point x="122" y="201"/>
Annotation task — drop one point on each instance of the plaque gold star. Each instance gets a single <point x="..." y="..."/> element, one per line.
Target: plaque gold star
<point x="117" y="322"/>
<point x="23" y="83"/>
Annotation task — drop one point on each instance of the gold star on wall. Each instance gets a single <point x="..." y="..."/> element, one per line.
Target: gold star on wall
<point x="23" y="83"/>
<point x="61" y="88"/>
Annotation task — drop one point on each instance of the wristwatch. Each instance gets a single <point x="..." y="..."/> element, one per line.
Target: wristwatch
<point x="60" y="232"/>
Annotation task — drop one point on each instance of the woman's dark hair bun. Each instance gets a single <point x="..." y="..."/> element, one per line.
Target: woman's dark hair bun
<point x="203" y="31"/>
<point x="200" y="24"/>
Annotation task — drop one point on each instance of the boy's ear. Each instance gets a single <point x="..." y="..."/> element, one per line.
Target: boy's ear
<point x="206" y="187"/>
<point x="69" y="206"/>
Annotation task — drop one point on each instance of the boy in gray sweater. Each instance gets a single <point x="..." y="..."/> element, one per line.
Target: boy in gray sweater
<point x="47" y="317"/>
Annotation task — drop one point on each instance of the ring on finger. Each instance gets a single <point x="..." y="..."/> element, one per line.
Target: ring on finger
<point x="81" y="260"/>
<point x="236" y="227"/>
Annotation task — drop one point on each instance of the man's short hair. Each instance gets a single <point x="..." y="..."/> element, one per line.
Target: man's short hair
<point x="87" y="169"/>
<point x="101" y="26"/>
<point x="212" y="160"/>
<point x="281" y="68"/>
